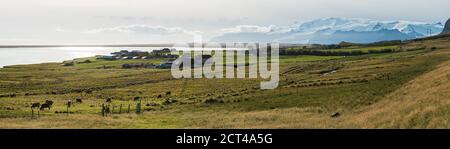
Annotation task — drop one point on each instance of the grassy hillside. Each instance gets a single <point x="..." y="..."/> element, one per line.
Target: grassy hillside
<point x="403" y="89"/>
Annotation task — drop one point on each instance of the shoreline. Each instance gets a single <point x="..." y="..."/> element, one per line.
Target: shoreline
<point x="39" y="55"/>
<point x="1" y="67"/>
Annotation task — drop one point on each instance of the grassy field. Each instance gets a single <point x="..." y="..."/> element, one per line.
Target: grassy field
<point x="405" y="89"/>
<point x="347" y="51"/>
<point x="366" y="49"/>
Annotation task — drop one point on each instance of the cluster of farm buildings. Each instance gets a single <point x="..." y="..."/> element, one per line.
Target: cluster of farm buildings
<point x="138" y="54"/>
<point x="162" y="53"/>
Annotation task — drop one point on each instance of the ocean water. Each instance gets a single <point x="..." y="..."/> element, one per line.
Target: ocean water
<point x="18" y="56"/>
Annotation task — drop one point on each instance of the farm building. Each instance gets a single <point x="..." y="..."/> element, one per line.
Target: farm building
<point x="106" y="57"/>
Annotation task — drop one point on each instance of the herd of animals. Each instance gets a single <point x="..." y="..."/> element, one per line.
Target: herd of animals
<point x="49" y="103"/>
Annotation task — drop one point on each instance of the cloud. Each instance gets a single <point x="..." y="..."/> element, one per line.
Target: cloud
<point x="143" y="29"/>
<point x="62" y="30"/>
<point x="251" y="29"/>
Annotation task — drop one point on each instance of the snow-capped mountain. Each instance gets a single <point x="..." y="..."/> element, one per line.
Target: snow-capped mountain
<point x="332" y="30"/>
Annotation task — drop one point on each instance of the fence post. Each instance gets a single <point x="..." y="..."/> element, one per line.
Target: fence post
<point x="103" y="110"/>
<point x="138" y="107"/>
<point x="129" y="105"/>
<point x="120" y="109"/>
<point x="32" y="113"/>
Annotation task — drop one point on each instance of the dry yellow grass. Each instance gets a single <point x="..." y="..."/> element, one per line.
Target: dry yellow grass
<point x="73" y="121"/>
<point x="92" y="121"/>
<point x="421" y="103"/>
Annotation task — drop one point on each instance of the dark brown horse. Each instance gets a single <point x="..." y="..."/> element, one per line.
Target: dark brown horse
<point x="35" y="105"/>
<point x="49" y="102"/>
<point x="45" y="105"/>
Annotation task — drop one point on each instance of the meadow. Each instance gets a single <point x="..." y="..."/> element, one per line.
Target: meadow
<point x="370" y="90"/>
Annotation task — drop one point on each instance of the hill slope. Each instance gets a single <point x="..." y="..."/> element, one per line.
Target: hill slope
<point x="421" y="103"/>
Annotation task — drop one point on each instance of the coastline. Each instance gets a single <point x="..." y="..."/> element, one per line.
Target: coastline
<point x="47" y="62"/>
<point x="57" y="54"/>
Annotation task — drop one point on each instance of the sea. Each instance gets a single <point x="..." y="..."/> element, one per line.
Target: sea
<point x="21" y="56"/>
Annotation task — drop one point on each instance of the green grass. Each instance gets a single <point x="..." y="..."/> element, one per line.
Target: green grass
<point x="348" y="51"/>
<point x="366" y="49"/>
<point x="113" y="63"/>
<point x="306" y="58"/>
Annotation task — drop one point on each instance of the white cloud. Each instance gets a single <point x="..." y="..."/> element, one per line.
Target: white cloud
<point x="143" y="29"/>
<point x="251" y="29"/>
<point x="62" y="30"/>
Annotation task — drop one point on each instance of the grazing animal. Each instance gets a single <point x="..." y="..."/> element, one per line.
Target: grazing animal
<point x="109" y="100"/>
<point x="49" y="102"/>
<point x="159" y="96"/>
<point x="78" y="100"/>
<point x="35" y="105"/>
<point x="136" y="98"/>
<point x="45" y="105"/>
<point x="168" y="93"/>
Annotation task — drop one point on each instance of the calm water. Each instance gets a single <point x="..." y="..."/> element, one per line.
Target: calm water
<point x="15" y="56"/>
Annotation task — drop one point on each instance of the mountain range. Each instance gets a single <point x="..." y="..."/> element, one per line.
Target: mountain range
<point x="331" y="30"/>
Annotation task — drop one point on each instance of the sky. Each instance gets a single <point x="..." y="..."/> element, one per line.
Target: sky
<point x="162" y="21"/>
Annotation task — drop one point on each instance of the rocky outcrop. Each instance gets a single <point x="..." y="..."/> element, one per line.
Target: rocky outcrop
<point x="446" y="28"/>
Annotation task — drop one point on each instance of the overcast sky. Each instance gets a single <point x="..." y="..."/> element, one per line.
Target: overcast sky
<point x="156" y="21"/>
